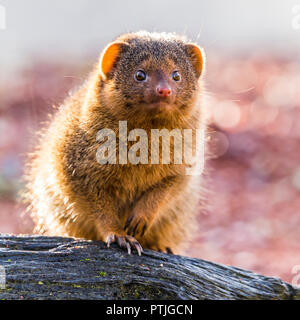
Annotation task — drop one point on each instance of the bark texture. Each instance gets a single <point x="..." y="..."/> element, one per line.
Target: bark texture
<point x="38" y="267"/>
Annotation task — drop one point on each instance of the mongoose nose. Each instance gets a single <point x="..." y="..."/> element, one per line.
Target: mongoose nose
<point x="163" y="91"/>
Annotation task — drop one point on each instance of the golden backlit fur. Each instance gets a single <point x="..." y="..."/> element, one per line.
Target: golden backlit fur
<point x="71" y="194"/>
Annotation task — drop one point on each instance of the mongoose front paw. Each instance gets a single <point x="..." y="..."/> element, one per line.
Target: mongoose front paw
<point x="136" y="225"/>
<point x="125" y="242"/>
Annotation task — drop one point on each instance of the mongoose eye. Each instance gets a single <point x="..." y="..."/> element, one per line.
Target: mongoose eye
<point x="176" y="76"/>
<point x="140" y="75"/>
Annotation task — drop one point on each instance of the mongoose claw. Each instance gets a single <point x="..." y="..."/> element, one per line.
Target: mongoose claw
<point x="110" y="239"/>
<point x="125" y="242"/>
<point x="136" y="226"/>
<point x="169" y="250"/>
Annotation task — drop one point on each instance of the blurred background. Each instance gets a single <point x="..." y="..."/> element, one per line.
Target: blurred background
<point x="252" y="218"/>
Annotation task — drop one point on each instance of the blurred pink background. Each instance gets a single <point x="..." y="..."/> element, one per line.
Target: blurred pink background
<point x="252" y="216"/>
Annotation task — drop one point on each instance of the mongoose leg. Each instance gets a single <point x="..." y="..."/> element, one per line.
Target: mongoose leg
<point x="146" y="210"/>
<point x="110" y="229"/>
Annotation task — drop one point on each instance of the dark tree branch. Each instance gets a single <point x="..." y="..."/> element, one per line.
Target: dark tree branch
<point x="40" y="267"/>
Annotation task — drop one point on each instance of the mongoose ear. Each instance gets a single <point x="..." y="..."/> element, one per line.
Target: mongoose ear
<point x="197" y="57"/>
<point x="108" y="58"/>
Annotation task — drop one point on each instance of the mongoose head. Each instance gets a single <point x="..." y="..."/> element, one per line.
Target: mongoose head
<point x="151" y="74"/>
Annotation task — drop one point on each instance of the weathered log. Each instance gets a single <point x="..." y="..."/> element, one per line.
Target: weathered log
<point x="39" y="267"/>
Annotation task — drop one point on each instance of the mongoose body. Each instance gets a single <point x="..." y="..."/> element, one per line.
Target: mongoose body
<point x="148" y="81"/>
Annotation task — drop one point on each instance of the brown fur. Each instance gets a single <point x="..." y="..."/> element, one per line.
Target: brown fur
<point x="72" y="194"/>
